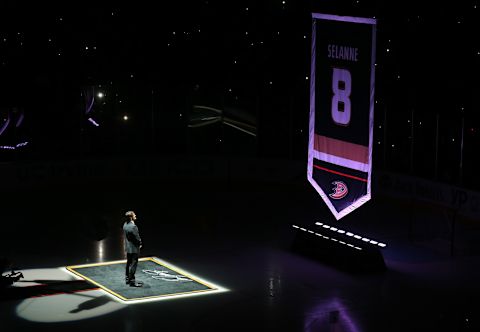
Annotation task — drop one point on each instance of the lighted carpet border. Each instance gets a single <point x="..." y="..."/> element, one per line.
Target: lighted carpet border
<point x="210" y="287"/>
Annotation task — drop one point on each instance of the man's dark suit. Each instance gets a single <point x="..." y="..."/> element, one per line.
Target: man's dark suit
<point x="132" y="248"/>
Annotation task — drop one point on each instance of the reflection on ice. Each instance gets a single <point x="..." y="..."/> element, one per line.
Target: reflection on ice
<point x="330" y="316"/>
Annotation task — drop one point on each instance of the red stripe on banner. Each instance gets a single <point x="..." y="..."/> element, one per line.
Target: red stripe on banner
<point x="341" y="149"/>
<point x="340" y="173"/>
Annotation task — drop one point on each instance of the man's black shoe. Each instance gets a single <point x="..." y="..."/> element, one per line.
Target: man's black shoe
<point x="136" y="284"/>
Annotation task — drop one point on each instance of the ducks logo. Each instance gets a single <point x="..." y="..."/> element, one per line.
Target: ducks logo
<point x="339" y="191"/>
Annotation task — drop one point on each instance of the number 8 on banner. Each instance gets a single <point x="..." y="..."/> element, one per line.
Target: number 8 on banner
<point x="342" y="87"/>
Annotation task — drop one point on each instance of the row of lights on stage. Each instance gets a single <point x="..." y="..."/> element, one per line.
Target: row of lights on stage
<point x="326" y="237"/>
<point x="343" y="232"/>
<point x="13" y="147"/>
<point x="358" y="237"/>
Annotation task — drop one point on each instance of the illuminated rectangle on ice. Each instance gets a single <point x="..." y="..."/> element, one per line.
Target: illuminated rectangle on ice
<point x="161" y="280"/>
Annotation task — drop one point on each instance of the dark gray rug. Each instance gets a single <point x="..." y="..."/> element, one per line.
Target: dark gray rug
<point x="159" y="279"/>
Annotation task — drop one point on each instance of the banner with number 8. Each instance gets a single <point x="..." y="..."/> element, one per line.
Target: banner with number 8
<point x="342" y="89"/>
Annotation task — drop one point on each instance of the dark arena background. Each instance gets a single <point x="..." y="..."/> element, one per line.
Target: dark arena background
<point x="195" y="115"/>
